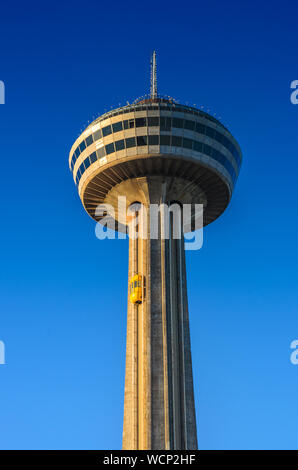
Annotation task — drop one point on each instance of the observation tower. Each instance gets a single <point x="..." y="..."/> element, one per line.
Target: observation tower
<point x="156" y="151"/>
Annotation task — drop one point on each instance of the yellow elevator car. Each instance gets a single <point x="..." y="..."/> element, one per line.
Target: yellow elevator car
<point x="136" y="289"/>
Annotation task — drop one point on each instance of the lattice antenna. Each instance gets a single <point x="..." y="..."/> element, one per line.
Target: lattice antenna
<point x="153" y="90"/>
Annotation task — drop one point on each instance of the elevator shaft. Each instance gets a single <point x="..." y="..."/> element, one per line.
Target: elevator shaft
<point x="159" y="410"/>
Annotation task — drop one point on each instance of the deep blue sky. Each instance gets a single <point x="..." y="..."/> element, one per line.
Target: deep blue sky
<point x="63" y="292"/>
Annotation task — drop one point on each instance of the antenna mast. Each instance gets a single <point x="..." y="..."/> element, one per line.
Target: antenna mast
<point x="153" y="90"/>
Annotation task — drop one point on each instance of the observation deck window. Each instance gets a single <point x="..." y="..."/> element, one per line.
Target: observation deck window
<point x="87" y="162"/>
<point x="210" y="132"/>
<point x="187" y="143"/>
<point x="141" y="122"/>
<point x="190" y="125"/>
<point x="153" y="121"/>
<point x="93" y="157"/>
<point x="89" y="140"/>
<point x="176" y="141"/>
<point x="119" y="145"/>
<point x="82" y="146"/>
<point x="177" y="122"/>
<point x="97" y="135"/>
<point x="198" y="146"/>
<point x="106" y="131"/>
<point x="130" y="142"/>
<point x="165" y="123"/>
<point x="100" y="152"/>
<point x="153" y="139"/>
<point x="141" y="140"/>
<point x="117" y="126"/>
<point x="200" y="128"/>
<point x="110" y="148"/>
<point x="165" y="140"/>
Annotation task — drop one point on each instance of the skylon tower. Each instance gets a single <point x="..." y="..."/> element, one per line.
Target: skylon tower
<point x="156" y="151"/>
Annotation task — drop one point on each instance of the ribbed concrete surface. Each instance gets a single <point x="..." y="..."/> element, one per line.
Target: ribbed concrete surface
<point x="98" y="189"/>
<point x="159" y="410"/>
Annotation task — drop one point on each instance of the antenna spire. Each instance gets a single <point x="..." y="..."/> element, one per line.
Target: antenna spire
<point x="153" y="88"/>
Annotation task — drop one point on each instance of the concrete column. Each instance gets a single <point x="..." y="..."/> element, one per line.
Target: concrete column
<point x="159" y="411"/>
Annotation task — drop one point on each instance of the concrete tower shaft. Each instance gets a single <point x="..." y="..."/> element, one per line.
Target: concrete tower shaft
<point x="159" y="410"/>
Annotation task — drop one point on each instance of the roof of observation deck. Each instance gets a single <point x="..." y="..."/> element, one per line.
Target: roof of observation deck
<point x="158" y="103"/>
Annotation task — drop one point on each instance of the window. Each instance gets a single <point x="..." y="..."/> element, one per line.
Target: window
<point x="130" y="142"/>
<point x="110" y="148"/>
<point x="153" y="121"/>
<point x="153" y="139"/>
<point x="165" y="140"/>
<point x="218" y="136"/>
<point x="117" y="126"/>
<point x="89" y="140"/>
<point x="224" y="140"/>
<point x="187" y="143"/>
<point x="77" y="152"/>
<point x="129" y="124"/>
<point x="200" y="128"/>
<point x="176" y="141"/>
<point x="178" y="123"/>
<point x="87" y="162"/>
<point x="141" y="122"/>
<point x="209" y="131"/>
<point x="82" y="146"/>
<point x="82" y="168"/>
<point x="100" y="152"/>
<point x="93" y="157"/>
<point x="165" y="124"/>
<point x="106" y="131"/>
<point x="141" y="140"/>
<point x="207" y="149"/>
<point x="198" y="147"/>
<point x="119" y="145"/>
<point x="97" y="135"/>
<point x="189" y="124"/>
<point x="217" y="155"/>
